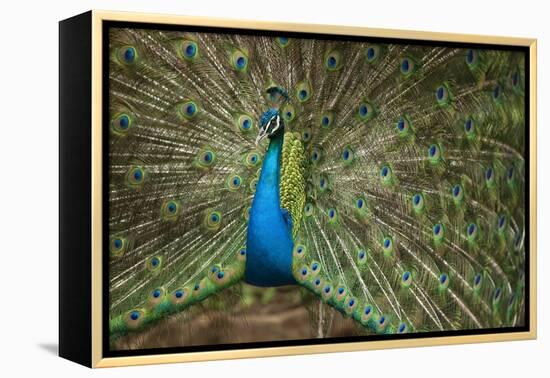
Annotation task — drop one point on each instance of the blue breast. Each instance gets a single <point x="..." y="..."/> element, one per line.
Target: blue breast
<point x="269" y="241"/>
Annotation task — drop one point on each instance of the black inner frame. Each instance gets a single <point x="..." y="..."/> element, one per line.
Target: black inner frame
<point x="107" y="352"/>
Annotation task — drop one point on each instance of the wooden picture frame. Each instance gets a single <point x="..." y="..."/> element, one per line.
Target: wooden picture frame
<point x="84" y="236"/>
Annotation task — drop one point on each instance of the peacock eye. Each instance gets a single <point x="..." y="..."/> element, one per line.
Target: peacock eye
<point x="438" y="232"/>
<point x="332" y="215"/>
<point x="502" y="223"/>
<point x="348" y="155"/>
<point x="233" y="182"/>
<point x="490" y="177"/>
<point x="308" y="209"/>
<point x="386" y="175"/>
<point x="206" y="158"/>
<point x="407" y="66"/>
<point x="252" y="159"/>
<point x="315" y="155"/>
<point x="239" y="60"/>
<point x="341" y="291"/>
<point x="323" y="183"/>
<point x="471" y="232"/>
<point x="402" y="328"/>
<point x="282" y="41"/>
<point x="299" y="250"/>
<point x="497" y="295"/>
<point x="442" y="95"/>
<point x="212" y="219"/>
<point x="510" y="175"/>
<point x="361" y="204"/>
<point x="382" y="322"/>
<point x="333" y="60"/>
<point x="117" y="243"/>
<point x="469" y="128"/>
<point x="180" y="295"/>
<point x="121" y="123"/>
<point x="244" y="123"/>
<point x="134" y="318"/>
<point x="477" y="281"/>
<point x="403" y="126"/>
<point x="188" y="109"/>
<point x="303" y="91"/>
<point x="154" y="263"/>
<point x="458" y="194"/>
<point x="170" y="209"/>
<point x="497" y="93"/>
<point x="472" y="58"/>
<point x="418" y="202"/>
<point x="365" y="111"/>
<point x="288" y="113"/>
<point x="387" y="245"/>
<point x="372" y="53"/>
<point x="351" y="304"/>
<point x="361" y="256"/>
<point x="443" y="281"/>
<point x="117" y="246"/>
<point x="512" y="300"/>
<point x="189" y="49"/>
<point x="306" y="135"/>
<point x="327" y="119"/>
<point x="135" y="177"/>
<point x="434" y="153"/>
<point x="127" y="55"/>
<point x="406" y="279"/>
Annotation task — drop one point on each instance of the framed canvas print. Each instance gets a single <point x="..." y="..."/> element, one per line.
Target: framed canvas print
<point x="234" y="189"/>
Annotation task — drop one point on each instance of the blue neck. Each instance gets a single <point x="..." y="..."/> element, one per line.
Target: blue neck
<point x="269" y="241"/>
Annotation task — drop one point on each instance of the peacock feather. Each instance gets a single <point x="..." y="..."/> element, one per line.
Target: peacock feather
<point x="385" y="179"/>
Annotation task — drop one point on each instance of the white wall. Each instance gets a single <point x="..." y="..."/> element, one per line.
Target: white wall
<point x="28" y="184"/>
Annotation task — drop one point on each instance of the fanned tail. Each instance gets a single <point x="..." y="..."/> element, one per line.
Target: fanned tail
<point x="403" y="172"/>
<point x="413" y="218"/>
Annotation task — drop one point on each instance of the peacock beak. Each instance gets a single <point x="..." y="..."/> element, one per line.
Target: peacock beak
<point x="261" y="136"/>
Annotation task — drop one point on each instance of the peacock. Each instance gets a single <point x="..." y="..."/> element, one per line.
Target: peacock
<point x="386" y="179"/>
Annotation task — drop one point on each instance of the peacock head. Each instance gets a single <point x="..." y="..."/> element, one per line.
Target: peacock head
<point x="271" y="123"/>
